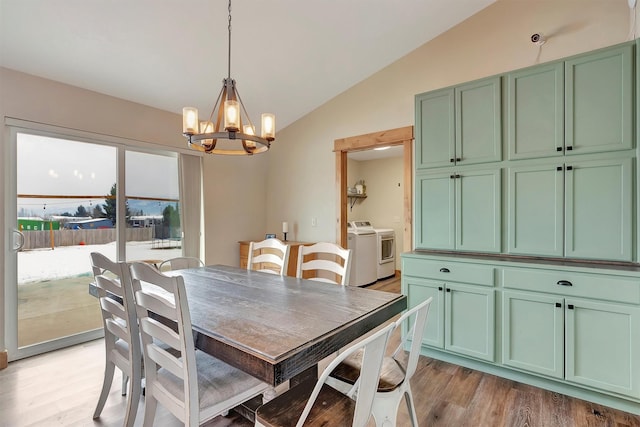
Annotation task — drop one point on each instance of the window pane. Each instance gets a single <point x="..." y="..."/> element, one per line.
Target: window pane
<point x="62" y="189"/>
<point x="153" y="207"/>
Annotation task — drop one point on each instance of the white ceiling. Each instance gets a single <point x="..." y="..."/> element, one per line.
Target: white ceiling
<point x="288" y="56"/>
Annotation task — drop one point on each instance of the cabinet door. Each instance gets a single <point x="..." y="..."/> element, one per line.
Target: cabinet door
<point x="599" y="101"/>
<point x="434" y="211"/>
<point x="478" y="123"/>
<point x="478" y="214"/>
<point x="536" y="112"/>
<point x="419" y="290"/>
<point x="434" y="131"/>
<point x="533" y="333"/>
<point x="536" y="208"/>
<point x="598" y="198"/>
<point x="470" y="321"/>
<point x="603" y="346"/>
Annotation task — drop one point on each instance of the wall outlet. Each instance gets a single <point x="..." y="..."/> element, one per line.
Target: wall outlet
<point x="314" y="222"/>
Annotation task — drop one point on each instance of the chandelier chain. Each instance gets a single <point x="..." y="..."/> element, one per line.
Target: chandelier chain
<point x="229" y="52"/>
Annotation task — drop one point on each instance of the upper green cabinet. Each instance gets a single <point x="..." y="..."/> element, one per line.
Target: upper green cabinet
<point x="536" y="112"/>
<point x="578" y="209"/>
<point x="459" y="125"/>
<point x="459" y="210"/>
<point x="578" y="106"/>
<point x="599" y="101"/>
<point x="435" y="122"/>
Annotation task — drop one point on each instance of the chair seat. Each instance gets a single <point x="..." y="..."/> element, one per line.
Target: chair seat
<point x="332" y="408"/>
<point x="219" y="385"/>
<point x="391" y="376"/>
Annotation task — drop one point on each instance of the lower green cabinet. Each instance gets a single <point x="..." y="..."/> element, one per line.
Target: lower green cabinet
<point x="461" y="317"/>
<point x="586" y="342"/>
<point x="533" y="333"/>
<point x="603" y="346"/>
<point x="574" y="329"/>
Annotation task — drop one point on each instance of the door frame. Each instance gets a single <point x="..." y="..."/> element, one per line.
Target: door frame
<point x="398" y="136"/>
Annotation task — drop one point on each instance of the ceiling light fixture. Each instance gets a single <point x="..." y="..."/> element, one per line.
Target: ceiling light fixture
<point x="204" y="136"/>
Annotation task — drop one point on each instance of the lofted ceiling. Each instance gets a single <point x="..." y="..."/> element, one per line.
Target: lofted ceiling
<point x="288" y="56"/>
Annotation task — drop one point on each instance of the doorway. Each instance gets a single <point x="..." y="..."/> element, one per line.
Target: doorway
<point x="399" y="136"/>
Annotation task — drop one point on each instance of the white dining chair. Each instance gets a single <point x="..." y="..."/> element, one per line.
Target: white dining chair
<point x="395" y="380"/>
<point x="194" y="386"/>
<point x="121" y="334"/>
<point x="323" y="261"/>
<point x="315" y="403"/>
<point x="269" y="256"/>
<point x="180" y="263"/>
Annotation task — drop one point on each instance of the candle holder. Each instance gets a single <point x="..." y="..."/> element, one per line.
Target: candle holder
<point x="285" y="236"/>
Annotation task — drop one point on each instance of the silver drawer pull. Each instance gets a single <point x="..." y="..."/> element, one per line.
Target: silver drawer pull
<point x="564" y="283"/>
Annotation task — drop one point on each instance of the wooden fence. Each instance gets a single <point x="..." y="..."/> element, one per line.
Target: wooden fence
<point x="42" y="239"/>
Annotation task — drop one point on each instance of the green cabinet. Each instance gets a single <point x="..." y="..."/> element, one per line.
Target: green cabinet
<point x="459" y="210"/>
<point x="581" y="327"/>
<point x="578" y="106"/>
<point x="533" y="332"/>
<point x="599" y="101"/>
<point x="461" y="317"/>
<point x="535" y="111"/>
<point x="435" y="129"/>
<point x="603" y="346"/>
<point x="578" y="209"/>
<point x="459" y="126"/>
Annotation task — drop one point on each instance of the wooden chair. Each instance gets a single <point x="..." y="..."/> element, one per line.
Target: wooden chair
<point x="314" y="403"/>
<point x="395" y="378"/>
<point x="121" y="334"/>
<point x="324" y="261"/>
<point x="180" y="263"/>
<point x="194" y="386"/>
<point x="269" y="256"/>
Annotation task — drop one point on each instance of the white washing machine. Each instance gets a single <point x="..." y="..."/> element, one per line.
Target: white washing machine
<point x="385" y="252"/>
<point x="362" y="241"/>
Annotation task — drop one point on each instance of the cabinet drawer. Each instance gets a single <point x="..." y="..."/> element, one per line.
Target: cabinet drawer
<point x="596" y="286"/>
<point x="450" y="271"/>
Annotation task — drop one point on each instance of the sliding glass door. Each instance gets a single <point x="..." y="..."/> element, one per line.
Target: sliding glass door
<point x="66" y="205"/>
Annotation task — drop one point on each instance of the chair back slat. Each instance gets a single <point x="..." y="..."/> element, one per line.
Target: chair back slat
<point x="269" y="256"/>
<point x="157" y="303"/>
<point x="324" y="261"/>
<point x="180" y="263"/>
<point x="161" y="332"/>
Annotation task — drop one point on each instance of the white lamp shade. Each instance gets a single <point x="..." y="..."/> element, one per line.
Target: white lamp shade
<point x="268" y="126"/>
<point x="190" y="120"/>
<point x="231" y="115"/>
<point x="248" y="129"/>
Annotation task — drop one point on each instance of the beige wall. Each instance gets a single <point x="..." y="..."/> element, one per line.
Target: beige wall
<point x="235" y="189"/>
<point x="302" y="166"/>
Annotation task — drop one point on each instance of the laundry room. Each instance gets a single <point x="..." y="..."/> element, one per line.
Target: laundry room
<point x="375" y="213"/>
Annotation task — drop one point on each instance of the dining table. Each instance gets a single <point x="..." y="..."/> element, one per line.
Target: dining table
<point x="278" y="328"/>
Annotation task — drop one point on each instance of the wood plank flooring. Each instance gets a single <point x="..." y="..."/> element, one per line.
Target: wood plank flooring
<point x="61" y="389"/>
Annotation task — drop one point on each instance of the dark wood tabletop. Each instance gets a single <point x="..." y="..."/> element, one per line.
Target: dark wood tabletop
<point x="275" y="327"/>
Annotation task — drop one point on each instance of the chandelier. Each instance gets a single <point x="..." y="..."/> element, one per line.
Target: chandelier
<point x="229" y="112"/>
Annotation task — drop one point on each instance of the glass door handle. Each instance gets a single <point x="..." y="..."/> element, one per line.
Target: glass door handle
<point x="18" y="243"/>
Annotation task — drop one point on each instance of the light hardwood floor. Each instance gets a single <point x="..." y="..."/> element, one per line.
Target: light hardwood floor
<point x="61" y="388"/>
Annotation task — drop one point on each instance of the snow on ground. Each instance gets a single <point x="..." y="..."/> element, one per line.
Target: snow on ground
<point x="70" y="261"/>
